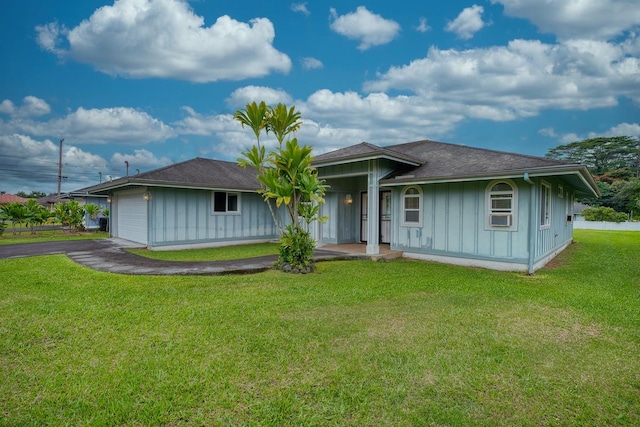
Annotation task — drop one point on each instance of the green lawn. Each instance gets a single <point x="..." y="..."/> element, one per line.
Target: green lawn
<point x="211" y="254"/>
<point x="401" y="343"/>
<point x="9" y="238"/>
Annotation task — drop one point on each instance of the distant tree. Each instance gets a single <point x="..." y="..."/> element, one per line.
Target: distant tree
<point x="32" y="195"/>
<point x="69" y="214"/>
<point x="613" y="162"/>
<point x="602" y="155"/>
<point x="15" y="212"/>
<point x="36" y="214"/>
<point x="92" y="210"/>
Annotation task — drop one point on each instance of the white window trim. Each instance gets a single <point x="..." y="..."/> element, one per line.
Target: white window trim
<point x="545" y="187"/>
<point x="403" y="222"/>
<point x="226" y="212"/>
<point x="514" y="205"/>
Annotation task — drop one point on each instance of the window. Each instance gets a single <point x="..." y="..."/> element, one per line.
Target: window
<point x="545" y="205"/>
<point x="501" y="204"/>
<point x="224" y="202"/>
<point x="411" y="207"/>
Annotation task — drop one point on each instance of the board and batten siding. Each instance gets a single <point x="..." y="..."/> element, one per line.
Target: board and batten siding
<point x="183" y="216"/>
<point x="454" y="218"/>
<point x="560" y="231"/>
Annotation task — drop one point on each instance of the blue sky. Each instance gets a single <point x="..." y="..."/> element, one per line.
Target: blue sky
<point x="153" y="82"/>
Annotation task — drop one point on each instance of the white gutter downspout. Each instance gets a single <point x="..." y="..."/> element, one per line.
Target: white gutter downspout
<point x="532" y="223"/>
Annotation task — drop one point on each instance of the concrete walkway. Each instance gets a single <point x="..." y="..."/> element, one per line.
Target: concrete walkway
<point x="110" y="255"/>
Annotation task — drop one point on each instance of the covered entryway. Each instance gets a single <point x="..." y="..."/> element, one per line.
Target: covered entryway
<point x="131" y="216"/>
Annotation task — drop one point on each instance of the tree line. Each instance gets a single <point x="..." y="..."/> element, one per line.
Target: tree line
<point x="614" y="163"/>
<point x="70" y="214"/>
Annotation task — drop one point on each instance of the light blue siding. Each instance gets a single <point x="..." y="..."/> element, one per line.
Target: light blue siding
<point x="454" y="224"/>
<point x="182" y="216"/>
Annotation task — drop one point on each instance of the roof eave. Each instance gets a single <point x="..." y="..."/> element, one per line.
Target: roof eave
<point x="167" y="184"/>
<point x="579" y="170"/>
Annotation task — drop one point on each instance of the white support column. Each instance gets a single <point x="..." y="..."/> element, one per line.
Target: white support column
<point x="373" y="223"/>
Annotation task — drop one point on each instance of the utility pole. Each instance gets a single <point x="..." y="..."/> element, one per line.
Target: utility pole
<point x="60" y="170"/>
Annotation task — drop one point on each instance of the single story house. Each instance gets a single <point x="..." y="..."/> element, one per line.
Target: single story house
<point x="452" y="203"/>
<point x="429" y="200"/>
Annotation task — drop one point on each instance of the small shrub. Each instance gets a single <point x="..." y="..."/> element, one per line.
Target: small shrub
<point x="296" y="251"/>
<point x="602" y="213"/>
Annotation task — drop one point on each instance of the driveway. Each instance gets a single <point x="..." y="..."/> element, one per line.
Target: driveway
<point x="110" y="255"/>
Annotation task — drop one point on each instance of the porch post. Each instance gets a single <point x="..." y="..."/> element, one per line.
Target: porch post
<point x="373" y="196"/>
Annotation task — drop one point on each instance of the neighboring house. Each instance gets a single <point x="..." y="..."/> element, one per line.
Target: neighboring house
<point x="577" y="211"/>
<point x="11" y="198"/>
<point x="199" y="202"/>
<point x="430" y="200"/>
<point x="452" y="203"/>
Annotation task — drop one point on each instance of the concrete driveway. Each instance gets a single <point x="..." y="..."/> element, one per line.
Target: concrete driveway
<point x="110" y="255"/>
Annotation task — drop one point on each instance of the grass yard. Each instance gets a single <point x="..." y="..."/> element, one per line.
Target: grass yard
<point x="9" y="238"/>
<point x="211" y="254"/>
<point x="402" y="343"/>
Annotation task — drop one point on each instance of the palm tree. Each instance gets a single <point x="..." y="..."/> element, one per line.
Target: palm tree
<point x="36" y="214"/>
<point x="287" y="177"/>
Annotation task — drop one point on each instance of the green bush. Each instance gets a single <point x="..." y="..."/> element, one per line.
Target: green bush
<point x="602" y="213"/>
<point x="296" y="251"/>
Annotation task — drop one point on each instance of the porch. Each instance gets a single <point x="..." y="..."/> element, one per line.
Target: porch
<point x="360" y="250"/>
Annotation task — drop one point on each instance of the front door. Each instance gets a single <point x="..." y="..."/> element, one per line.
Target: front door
<point x="385" y="217"/>
<point x="364" y="214"/>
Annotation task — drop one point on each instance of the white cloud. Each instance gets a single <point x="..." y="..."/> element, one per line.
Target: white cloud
<point x="586" y="19"/>
<point x="621" y="129"/>
<point x="166" y="39"/>
<point x="31" y="107"/>
<point x="200" y="124"/>
<point x="369" y="28"/>
<point x="240" y="97"/>
<point x="95" y="126"/>
<point x="309" y="63"/>
<point x="518" y="80"/>
<point x="468" y="22"/>
<point x="29" y="164"/>
<point x="301" y="8"/>
<point x="423" y="27"/>
<point x="138" y="160"/>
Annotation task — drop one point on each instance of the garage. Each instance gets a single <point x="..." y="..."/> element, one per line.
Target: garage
<point x="131" y="216"/>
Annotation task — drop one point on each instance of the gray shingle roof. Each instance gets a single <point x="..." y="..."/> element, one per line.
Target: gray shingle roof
<point x="443" y="160"/>
<point x="194" y="173"/>
<point x="362" y="151"/>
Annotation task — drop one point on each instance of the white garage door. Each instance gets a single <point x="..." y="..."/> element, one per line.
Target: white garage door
<point x="132" y="216"/>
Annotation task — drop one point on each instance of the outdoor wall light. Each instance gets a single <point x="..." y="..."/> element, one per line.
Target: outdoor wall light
<point x="108" y="199"/>
<point x="146" y="196"/>
<point x="348" y="199"/>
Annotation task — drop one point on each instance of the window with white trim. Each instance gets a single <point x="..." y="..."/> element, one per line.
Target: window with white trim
<point x="501" y="204"/>
<point x="226" y="203"/>
<point x="545" y="205"/>
<point x="412" y="207"/>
